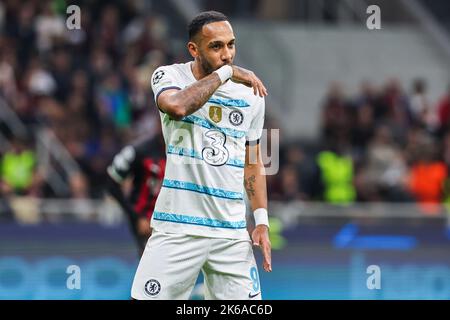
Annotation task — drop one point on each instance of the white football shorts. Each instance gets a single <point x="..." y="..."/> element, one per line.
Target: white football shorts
<point x="171" y="263"/>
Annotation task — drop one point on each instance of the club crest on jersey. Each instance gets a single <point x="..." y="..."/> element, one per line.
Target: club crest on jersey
<point x="236" y="117"/>
<point x="152" y="287"/>
<point x="215" y="113"/>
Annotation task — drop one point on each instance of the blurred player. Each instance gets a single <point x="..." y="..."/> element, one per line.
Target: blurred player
<point x="144" y="163"/>
<point x="210" y="125"/>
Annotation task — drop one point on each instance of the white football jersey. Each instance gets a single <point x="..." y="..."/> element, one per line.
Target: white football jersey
<point x="203" y="188"/>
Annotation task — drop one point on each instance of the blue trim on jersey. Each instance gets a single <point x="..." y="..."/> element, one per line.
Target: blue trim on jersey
<point x="206" y="124"/>
<point x="229" y="102"/>
<point x="235" y="163"/>
<point x="199" y="221"/>
<point x="171" y="149"/>
<point x="189" y="186"/>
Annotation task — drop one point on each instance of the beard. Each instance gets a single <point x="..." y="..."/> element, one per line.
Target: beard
<point x="206" y="66"/>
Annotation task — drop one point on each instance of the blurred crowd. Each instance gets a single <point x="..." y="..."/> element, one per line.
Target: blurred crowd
<point x="382" y="144"/>
<point x="89" y="87"/>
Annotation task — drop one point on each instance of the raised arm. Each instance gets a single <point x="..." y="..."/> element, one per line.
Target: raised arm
<point x="180" y="103"/>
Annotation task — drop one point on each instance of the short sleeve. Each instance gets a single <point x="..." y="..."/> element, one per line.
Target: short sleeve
<point x="256" y="127"/>
<point x="164" y="78"/>
<point x="123" y="164"/>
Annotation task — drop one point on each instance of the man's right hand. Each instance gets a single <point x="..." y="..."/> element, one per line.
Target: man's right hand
<point x="249" y="79"/>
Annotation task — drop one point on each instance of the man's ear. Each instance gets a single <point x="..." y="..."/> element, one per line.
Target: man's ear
<point x="193" y="49"/>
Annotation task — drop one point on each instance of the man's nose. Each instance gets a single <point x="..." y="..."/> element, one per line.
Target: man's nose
<point x="227" y="55"/>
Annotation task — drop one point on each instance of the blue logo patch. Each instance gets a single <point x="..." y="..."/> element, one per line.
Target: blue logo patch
<point x="152" y="287"/>
<point x="236" y="117"/>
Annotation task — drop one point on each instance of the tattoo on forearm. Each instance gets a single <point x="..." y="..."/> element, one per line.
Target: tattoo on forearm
<point x="249" y="186"/>
<point x="197" y="94"/>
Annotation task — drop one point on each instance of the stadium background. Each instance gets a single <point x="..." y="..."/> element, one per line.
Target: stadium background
<point x="363" y="156"/>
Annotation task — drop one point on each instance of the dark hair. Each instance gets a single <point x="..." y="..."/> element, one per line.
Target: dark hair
<point x="204" y="18"/>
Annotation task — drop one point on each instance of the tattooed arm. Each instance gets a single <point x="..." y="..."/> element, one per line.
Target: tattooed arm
<point x="255" y="185"/>
<point x="254" y="178"/>
<point x="181" y="103"/>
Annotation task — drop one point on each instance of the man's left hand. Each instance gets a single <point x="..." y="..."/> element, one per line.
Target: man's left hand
<point x="260" y="237"/>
